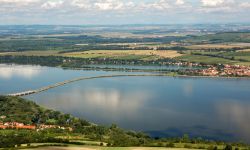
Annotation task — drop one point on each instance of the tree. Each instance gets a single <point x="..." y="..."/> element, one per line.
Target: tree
<point x="228" y="147"/>
<point x="185" y="138"/>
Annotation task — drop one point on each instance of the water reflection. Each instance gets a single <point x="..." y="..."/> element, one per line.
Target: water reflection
<point x="27" y="72"/>
<point x="236" y="116"/>
<point x="188" y="89"/>
<point x="164" y="106"/>
<point x="101" y="105"/>
<point x="109" y="101"/>
<point x="196" y="131"/>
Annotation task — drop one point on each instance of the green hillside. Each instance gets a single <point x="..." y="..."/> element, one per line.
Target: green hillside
<point x="15" y="109"/>
<point x="27" y="112"/>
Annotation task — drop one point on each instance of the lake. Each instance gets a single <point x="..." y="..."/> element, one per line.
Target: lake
<point x="214" y="108"/>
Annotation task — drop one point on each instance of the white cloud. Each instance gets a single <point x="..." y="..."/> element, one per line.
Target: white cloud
<point x="81" y="4"/>
<point x="130" y="4"/>
<point x="212" y="3"/>
<point x="52" y="4"/>
<point x="217" y="3"/>
<point x="18" y="2"/>
<point x="218" y="6"/>
<point x="165" y="5"/>
<point x="103" y="5"/>
<point x="135" y="10"/>
<point x="109" y="5"/>
<point x="159" y="5"/>
<point x="245" y="5"/>
<point x="179" y="2"/>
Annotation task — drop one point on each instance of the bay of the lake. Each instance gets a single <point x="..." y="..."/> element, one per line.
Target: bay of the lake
<point x="214" y="108"/>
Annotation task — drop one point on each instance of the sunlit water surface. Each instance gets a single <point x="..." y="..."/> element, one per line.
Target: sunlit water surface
<point x="162" y="106"/>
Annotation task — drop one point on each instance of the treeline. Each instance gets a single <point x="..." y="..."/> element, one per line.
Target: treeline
<point x="62" y="43"/>
<point x="100" y="39"/>
<point x="78" y="62"/>
<point x="51" y="61"/>
<point x="36" y="44"/>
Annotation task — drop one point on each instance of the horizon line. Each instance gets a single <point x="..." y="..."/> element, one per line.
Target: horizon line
<point x="160" y="24"/>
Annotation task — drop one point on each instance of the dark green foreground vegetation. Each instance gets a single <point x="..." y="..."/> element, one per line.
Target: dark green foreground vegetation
<point x="84" y="133"/>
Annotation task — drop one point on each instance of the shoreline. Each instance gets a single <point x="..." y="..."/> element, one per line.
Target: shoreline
<point x="165" y="72"/>
<point x="141" y="71"/>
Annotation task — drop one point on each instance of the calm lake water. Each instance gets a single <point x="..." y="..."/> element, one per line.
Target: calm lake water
<point x="162" y="106"/>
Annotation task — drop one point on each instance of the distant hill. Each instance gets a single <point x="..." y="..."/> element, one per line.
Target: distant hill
<point x="222" y="37"/>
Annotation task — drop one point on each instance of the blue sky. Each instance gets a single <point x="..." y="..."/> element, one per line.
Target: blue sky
<point x="124" y="11"/>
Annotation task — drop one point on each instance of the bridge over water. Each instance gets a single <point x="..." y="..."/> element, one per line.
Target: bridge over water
<point x="30" y="92"/>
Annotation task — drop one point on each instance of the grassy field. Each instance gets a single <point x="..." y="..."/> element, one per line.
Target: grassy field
<point x="104" y="148"/>
<point x="112" y="54"/>
<point x="223" y="57"/>
<point x="127" y="54"/>
<point x="245" y="50"/>
<point x="218" y="46"/>
<point x="206" y="59"/>
<point x="178" y="146"/>
<point x="243" y="56"/>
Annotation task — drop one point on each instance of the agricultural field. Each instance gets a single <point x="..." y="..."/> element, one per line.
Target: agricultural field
<point x="146" y="43"/>
<point x="177" y="146"/>
<point x="240" y="37"/>
<point x="104" y="148"/>
<point x="226" y="46"/>
<point x="241" y="57"/>
<point x="128" y="54"/>
<point x="206" y="59"/>
<point x="111" y="54"/>
<point x="198" y="56"/>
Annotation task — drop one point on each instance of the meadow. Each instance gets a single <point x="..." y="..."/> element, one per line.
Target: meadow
<point x="128" y="54"/>
<point x="239" y="57"/>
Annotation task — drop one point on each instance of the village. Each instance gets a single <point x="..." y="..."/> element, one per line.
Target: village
<point x="218" y="70"/>
<point x="37" y="127"/>
<point x="18" y="125"/>
<point x="226" y="70"/>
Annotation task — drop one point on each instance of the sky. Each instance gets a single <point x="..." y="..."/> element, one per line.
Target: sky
<point x="100" y="12"/>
